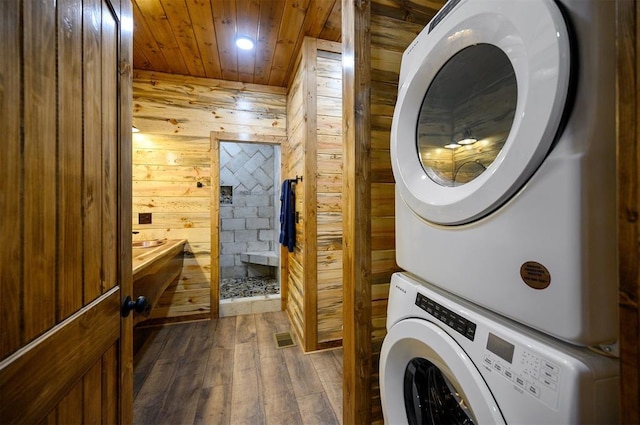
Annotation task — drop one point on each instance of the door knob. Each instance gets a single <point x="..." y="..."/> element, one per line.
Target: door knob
<point x="141" y="305"/>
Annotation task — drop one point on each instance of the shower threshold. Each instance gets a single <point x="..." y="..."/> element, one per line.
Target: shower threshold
<point x="249" y="305"/>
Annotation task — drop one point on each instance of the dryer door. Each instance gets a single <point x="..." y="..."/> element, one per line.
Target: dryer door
<point x="482" y="96"/>
<point x="426" y="378"/>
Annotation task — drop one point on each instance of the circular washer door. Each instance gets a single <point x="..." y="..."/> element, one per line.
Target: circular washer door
<point x="480" y="103"/>
<point x="426" y="378"/>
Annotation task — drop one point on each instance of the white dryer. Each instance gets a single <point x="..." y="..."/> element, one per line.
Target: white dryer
<point x="503" y="151"/>
<point x="445" y="360"/>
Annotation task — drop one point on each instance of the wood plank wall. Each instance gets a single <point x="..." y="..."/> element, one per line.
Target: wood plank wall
<point x="294" y="166"/>
<point x="176" y="115"/>
<point x="391" y="33"/>
<point x="314" y="151"/>
<point x="375" y="34"/>
<point x="166" y="170"/>
<point x="328" y="75"/>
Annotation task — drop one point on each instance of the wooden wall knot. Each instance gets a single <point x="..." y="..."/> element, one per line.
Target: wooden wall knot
<point x="125" y="68"/>
<point x="632" y="216"/>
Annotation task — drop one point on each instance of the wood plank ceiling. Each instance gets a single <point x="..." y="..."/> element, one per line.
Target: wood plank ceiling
<point x="197" y="37"/>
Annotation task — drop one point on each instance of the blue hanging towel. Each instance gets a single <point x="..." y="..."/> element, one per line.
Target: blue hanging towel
<point x="288" y="215"/>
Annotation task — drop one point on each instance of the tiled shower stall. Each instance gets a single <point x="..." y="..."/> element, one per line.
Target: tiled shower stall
<point x="249" y="219"/>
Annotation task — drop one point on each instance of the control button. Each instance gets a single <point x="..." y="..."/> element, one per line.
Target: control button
<point x="460" y="326"/>
<point x="430" y="304"/>
<point x="520" y="381"/>
<point x="535" y="391"/>
<point x="549" y="383"/>
<point x="509" y="374"/>
<point x="546" y="374"/>
<point x="498" y="367"/>
<point x="488" y="361"/>
<point x="471" y="331"/>
<point x="551" y="367"/>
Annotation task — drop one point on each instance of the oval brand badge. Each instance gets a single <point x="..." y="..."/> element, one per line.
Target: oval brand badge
<point x="535" y="275"/>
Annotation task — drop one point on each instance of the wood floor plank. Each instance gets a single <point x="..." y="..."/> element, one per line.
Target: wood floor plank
<point x="219" y="370"/>
<point x="329" y="370"/>
<point x="274" y="372"/>
<point x="338" y="355"/>
<point x="229" y="371"/>
<point x="147" y="356"/>
<point x="246" y="400"/>
<point x="182" y="398"/>
<point x="303" y="374"/>
<point x="280" y="405"/>
<point x="316" y="409"/>
<point x="178" y="339"/>
<point x="184" y="392"/>
<point x="282" y="409"/>
<point x="266" y="326"/>
<point x="225" y="333"/>
<point x="245" y="329"/>
<point x="324" y="361"/>
<point x="152" y="396"/>
<point x="214" y="406"/>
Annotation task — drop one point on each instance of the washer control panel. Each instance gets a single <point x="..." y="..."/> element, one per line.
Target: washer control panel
<point x="451" y="319"/>
<point x="529" y="372"/>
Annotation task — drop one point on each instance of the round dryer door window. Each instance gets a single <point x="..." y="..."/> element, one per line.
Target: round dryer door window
<point x="483" y="92"/>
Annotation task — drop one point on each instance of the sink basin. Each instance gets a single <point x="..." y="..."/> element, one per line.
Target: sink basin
<point x="148" y="244"/>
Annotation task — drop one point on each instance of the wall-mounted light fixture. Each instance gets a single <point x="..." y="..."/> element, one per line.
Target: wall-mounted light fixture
<point x="244" y="42"/>
<point x="135" y="129"/>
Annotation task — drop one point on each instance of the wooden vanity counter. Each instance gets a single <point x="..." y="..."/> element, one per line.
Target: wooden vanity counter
<point x="154" y="269"/>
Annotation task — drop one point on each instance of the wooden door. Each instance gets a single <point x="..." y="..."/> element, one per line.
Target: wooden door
<point x="65" y="190"/>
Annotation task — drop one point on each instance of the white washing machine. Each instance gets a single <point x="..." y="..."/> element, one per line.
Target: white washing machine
<point x="445" y="360"/>
<point x="503" y="151"/>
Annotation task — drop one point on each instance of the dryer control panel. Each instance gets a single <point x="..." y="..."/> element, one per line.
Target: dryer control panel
<point x="453" y="320"/>
<point x="529" y="372"/>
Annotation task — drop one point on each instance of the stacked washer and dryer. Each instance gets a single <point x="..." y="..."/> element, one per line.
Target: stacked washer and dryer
<point x="503" y="151"/>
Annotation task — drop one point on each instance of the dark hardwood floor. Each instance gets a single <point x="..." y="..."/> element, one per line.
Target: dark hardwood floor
<point x="230" y="371"/>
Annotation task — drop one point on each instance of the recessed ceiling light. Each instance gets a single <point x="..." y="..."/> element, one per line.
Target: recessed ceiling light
<point x="244" y="42"/>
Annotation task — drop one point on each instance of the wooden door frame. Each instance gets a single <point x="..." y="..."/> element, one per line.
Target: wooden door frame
<point x="125" y="206"/>
<point x="356" y="123"/>
<point x="235" y="137"/>
<point x="628" y="76"/>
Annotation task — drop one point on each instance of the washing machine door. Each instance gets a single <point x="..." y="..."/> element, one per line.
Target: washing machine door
<point x="427" y="378"/>
<point x="481" y="99"/>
